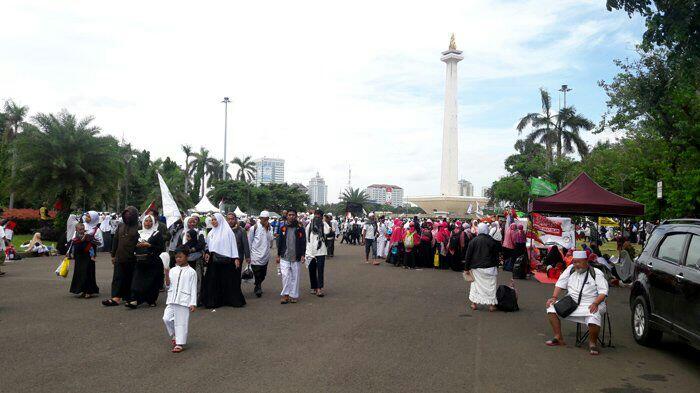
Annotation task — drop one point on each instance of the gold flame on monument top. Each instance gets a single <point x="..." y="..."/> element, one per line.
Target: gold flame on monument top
<point x="453" y="43"/>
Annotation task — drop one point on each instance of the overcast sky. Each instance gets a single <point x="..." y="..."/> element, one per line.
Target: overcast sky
<point x="324" y="85"/>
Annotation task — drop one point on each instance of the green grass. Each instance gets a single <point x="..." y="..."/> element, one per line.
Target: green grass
<point x="18" y="240"/>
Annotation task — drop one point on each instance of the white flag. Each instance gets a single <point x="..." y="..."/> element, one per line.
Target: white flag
<point x="170" y="210"/>
<point x="469" y="209"/>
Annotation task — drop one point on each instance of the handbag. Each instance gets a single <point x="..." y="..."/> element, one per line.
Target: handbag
<point x="62" y="270"/>
<point x="247" y="273"/>
<point x="566" y="305"/>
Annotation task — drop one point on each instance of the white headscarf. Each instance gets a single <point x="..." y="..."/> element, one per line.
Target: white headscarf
<point x="221" y="239"/>
<point x="70" y="226"/>
<point x="483" y="228"/>
<point x="94" y="221"/>
<point x="106" y="224"/>
<point x="145" y="234"/>
<point x="495" y="231"/>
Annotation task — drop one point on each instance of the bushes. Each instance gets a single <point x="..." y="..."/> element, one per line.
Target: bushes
<point x="28" y="221"/>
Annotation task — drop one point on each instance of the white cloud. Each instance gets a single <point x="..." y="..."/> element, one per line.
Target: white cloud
<point x="325" y="86"/>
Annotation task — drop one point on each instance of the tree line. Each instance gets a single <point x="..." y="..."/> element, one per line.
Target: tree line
<point x="653" y="110"/>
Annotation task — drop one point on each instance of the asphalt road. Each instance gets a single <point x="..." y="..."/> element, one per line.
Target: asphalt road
<point x="379" y="329"/>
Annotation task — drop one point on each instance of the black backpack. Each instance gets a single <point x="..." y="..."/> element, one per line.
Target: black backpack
<point x="520" y="267"/>
<point x="507" y="298"/>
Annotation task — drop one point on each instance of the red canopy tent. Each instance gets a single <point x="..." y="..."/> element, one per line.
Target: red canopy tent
<point x="584" y="197"/>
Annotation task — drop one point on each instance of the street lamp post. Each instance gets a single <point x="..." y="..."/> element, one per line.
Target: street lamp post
<point x="225" y="101"/>
<point x="564" y="89"/>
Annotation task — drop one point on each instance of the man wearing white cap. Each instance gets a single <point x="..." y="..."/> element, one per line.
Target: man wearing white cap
<point x="260" y="240"/>
<point x="588" y="288"/>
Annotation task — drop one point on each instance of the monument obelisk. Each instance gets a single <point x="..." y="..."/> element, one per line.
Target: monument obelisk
<point x="449" y="202"/>
<point x="450" y="142"/>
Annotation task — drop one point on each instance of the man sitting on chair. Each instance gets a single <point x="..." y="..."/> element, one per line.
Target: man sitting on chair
<point x="591" y="307"/>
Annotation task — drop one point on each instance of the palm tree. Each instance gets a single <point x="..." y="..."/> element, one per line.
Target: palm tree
<point x="354" y="195"/>
<point x="65" y="158"/>
<point x="569" y="124"/>
<point x="187" y="149"/>
<point x="246" y="169"/>
<point x="200" y="167"/>
<point x="215" y="170"/>
<point x="14" y="119"/>
<point x="544" y="124"/>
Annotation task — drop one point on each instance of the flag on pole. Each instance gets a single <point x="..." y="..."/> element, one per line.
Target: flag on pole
<point x="170" y="209"/>
<point x="469" y="209"/>
<point x="541" y="187"/>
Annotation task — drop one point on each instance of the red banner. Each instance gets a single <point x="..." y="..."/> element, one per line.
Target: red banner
<point x="543" y="224"/>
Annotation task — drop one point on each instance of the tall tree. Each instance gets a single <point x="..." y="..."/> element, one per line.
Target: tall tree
<point x="569" y="126"/>
<point x="544" y="124"/>
<point x="65" y="158"/>
<point x="354" y="195"/>
<point x="246" y="168"/>
<point x="14" y="118"/>
<point x="187" y="149"/>
<point x="201" y="166"/>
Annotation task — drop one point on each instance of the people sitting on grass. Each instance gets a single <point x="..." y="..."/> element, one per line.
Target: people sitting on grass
<point x="36" y="248"/>
<point x="588" y="288"/>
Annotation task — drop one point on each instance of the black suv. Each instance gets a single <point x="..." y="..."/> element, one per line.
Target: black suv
<point x="665" y="295"/>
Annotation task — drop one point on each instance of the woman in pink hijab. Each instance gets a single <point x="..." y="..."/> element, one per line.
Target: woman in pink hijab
<point x="396" y="240"/>
<point x="509" y="247"/>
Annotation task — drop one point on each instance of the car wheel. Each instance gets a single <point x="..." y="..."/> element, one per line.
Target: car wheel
<point x="641" y="325"/>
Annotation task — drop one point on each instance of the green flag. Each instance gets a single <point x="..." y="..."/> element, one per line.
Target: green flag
<point x="541" y="187"/>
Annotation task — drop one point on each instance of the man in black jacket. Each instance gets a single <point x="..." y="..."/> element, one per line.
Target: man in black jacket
<point x="291" y="248"/>
<point x="481" y="263"/>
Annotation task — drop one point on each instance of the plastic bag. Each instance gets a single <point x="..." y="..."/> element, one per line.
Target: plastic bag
<point x="62" y="270"/>
<point x="436" y="259"/>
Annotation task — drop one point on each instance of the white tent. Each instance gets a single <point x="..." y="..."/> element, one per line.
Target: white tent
<point x="205" y="206"/>
<point x="238" y="212"/>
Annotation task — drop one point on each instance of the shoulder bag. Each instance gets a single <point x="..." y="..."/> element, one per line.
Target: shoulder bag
<point x="566" y="305"/>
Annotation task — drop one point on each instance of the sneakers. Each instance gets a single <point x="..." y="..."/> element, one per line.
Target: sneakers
<point x="258" y="291"/>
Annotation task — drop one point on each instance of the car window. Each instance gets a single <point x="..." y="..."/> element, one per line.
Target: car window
<point x="671" y="247"/>
<point x="653" y="239"/>
<point x="693" y="257"/>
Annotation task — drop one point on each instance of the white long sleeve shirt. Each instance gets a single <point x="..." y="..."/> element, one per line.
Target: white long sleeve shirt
<point x="183" y="286"/>
<point x="260" y="242"/>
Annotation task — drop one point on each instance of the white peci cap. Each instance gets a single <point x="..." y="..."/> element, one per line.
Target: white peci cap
<point x="264" y="214"/>
<point x="580" y="255"/>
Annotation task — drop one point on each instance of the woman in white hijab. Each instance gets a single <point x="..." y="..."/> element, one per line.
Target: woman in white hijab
<point x="70" y="226"/>
<point x="495" y="231"/>
<point x="219" y="287"/>
<point x="91" y="220"/>
<point x="481" y="263"/>
<point x="106" y="229"/>
<point x="148" y="273"/>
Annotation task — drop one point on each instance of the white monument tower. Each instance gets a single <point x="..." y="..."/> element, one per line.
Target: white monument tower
<point x="450" y="143"/>
<point x="449" y="202"/>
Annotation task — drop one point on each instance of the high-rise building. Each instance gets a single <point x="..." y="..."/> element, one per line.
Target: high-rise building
<point x="484" y="190"/>
<point x="318" y="190"/>
<point x="466" y="188"/>
<point x="385" y="194"/>
<point x="269" y="170"/>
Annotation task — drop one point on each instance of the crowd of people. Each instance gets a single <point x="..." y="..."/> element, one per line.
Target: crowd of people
<point x="199" y="260"/>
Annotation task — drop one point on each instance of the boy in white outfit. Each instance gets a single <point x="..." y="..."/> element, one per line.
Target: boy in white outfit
<point x="182" y="299"/>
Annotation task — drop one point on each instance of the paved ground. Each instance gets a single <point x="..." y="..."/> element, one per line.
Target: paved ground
<point x="379" y="329"/>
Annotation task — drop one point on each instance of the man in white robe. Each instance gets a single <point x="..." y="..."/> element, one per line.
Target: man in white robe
<point x="591" y="305"/>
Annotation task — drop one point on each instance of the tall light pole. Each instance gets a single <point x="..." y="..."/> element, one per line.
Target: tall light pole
<point x="564" y="89"/>
<point x="225" y="101"/>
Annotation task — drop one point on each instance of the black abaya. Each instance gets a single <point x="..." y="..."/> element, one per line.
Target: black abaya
<point x="83" y="274"/>
<point x="122" y="277"/>
<point x="148" y="273"/>
<point x="222" y="285"/>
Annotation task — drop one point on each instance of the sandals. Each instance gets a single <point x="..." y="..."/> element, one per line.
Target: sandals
<point x="554" y="343"/>
<point x="293" y="300"/>
<point x="284" y="300"/>
<point x="593" y="350"/>
<point x="131" y="305"/>
<point x="109" y="303"/>
<point x="177" y="349"/>
<point x="320" y="293"/>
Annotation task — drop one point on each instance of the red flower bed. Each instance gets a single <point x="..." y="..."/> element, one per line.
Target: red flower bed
<point x="25" y="214"/>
